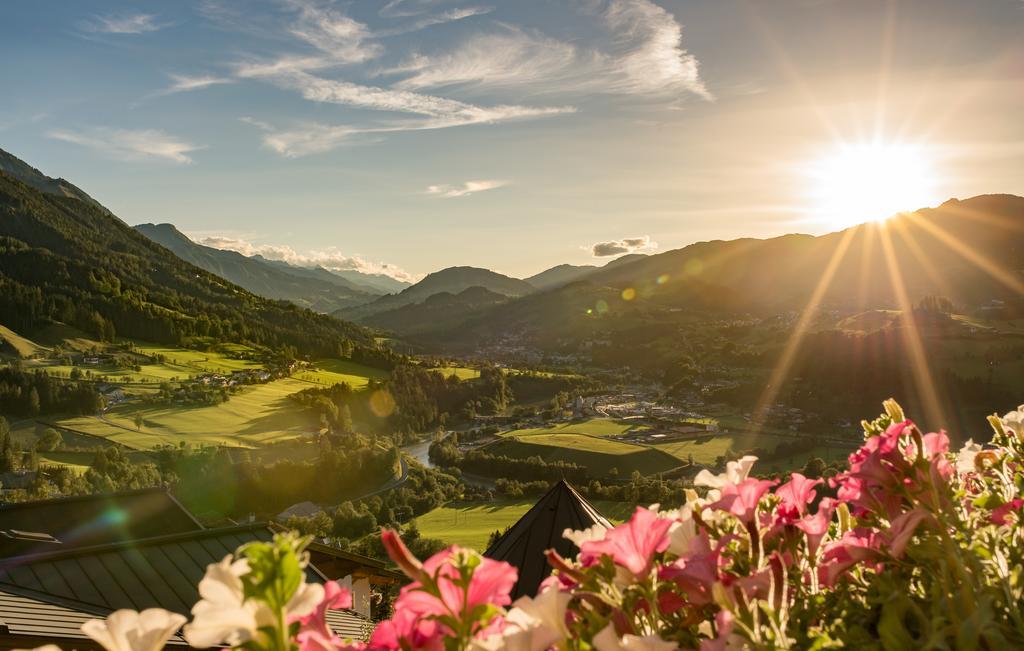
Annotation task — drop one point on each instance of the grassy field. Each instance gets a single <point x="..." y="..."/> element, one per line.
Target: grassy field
<point x="20" y="346"/>
<point x="335" y="371"/>
<point x="599" y="455"/>
<point x="257" y="414"/>
<point x="470" y="524"/>
<point x="197" y="361"/>
<point x="706" y="449"/>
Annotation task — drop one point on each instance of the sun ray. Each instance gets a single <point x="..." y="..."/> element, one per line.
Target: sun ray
<point x="924" y="384"/>
<point x="908" y="241"/>
<point x="981" y="262"/>
<point x="785" y="363"/>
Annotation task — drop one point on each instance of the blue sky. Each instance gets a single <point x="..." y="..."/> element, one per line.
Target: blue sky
<point x="408" y="135"/>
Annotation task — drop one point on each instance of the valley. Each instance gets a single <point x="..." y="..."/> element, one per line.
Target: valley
<point x="338" y="402"/>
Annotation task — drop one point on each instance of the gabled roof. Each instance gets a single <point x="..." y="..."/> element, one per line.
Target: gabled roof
<point x="540" y="529"/>
<point x="83" y="521"/>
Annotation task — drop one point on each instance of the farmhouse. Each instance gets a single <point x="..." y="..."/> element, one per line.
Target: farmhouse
<point x="68" y="560"/>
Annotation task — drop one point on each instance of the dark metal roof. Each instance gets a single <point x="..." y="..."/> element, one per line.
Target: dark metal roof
<point x="161" y="572"/>
<point x="539" y="530"/>
<point x="83" y="521"/>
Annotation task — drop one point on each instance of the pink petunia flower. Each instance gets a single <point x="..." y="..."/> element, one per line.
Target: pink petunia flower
<point x="314" y="633"/>
<point x="795" y="494"/>
<point x="631" y="545"/>
<point x="742" y="499"/>
<point x="1000" y="512"/>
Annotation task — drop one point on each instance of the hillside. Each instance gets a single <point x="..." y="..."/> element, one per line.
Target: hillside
<point x="309" y="288"/>
<point x="560" y="275"/>
<point x="65" y="260"/>
<point x="440" y="309"/>
<point x="452" y="280"/>
<point x="563" y="274"/>
<point x="19" y="169"/>
<point x="970" y="251"/>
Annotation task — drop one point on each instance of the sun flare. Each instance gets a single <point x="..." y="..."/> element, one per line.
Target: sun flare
<point x="865" y="182"/>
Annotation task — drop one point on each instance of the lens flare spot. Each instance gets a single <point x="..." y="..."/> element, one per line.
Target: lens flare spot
<point x="628" y="294"/>
<point x="662" y="279"/>
<point x="601" y="307"/>
<point x="590" y="310"/>
<point x="694" y="267"/>
<point x="381" y="403"/>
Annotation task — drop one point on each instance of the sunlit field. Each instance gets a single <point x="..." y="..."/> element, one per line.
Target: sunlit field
<point x="599" y="455"/>
<point x="592" y="427"/>
<point x="329" y="372"/>
<point x="256" y="414"/>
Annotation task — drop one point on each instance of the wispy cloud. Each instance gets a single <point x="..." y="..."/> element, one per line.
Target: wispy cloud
<point x="123" y="24"/>
<point x="330" y="258"/>
<point x="512" y="57"/>
<point x="184" y="83"/>
<point x="654" y="59"/>
<point x="465" y="189"/>
<point x="625" y="245"/>
<point x="310" y="138"/>
<point x="423" y="22"/>
<point x="127" y="144"/>
<point x="647" y="57"/>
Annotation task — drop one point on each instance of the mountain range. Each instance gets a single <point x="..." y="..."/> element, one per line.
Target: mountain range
<point x="316" y="289"/>
<point x="65" y="259"/>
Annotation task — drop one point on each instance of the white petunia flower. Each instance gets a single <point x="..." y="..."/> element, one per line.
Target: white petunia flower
<point x="607" y="640"/>
<point x="128" y="630"/>
<point x="735" y="473"/>
<point x="222" y="616"/>
<point x="534" y="624"/>
<point x="1014" y="420"/>
<point x="593" y="533"/>
<point x="965" y="458"/>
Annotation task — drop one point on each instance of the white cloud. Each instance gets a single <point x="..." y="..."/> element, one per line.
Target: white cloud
<point x="465" y="189"/>
<point x="307" y="139"/>
<point x="647" y="58"/>
<point x="625" y="245"/>
<point x="447" y="112"/>
<point x="184" y="83"/>
<point x="513" y="57"/>
<point x="449" y="16"/>
<point x="653" y="59"/>
<point x="127" y="144"/>
<point x="329" y="258"/>
<point x="124" y="24"/>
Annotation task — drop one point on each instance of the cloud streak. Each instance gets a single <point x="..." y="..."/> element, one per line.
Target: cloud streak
<point x="464" y="189"/>
<point x="625" y="245"/>
<point x="123" y="24"/>
<point x="329" y="258"/>
<point x="130" y="145"/>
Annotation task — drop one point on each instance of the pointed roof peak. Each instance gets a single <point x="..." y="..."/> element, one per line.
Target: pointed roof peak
<point x="540" y="529"/>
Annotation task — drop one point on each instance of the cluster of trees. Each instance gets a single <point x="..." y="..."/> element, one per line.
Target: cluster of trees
<point x="24" y="393"/>
<point x="215" y="481"/>
<point x="412" y="400"/>
<point x="445" y="453"/>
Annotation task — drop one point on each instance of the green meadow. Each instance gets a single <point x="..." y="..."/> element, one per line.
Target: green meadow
<point x="471" y="524"/>
<point x="328" y="372"/>
<point x="601" y="456"/>
<point x="256" y="414"/>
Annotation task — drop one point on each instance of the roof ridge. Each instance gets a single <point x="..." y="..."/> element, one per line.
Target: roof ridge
<point x="16" y="506"/>
<point x="126" y="544"/>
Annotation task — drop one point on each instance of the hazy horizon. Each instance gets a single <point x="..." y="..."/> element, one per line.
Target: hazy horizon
<point x="408" y="136"/>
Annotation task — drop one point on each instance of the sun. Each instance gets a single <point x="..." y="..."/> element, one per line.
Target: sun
<point x="864" y="182"/>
